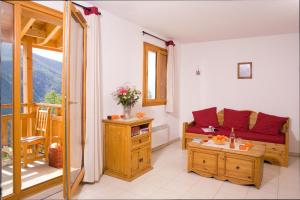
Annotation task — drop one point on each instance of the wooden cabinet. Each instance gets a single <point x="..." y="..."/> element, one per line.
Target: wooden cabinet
<point x="127" y="151"/>
<point x="241" y="167"/>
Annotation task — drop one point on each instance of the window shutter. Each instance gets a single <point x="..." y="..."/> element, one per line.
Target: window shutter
<point x="162" y="75"/>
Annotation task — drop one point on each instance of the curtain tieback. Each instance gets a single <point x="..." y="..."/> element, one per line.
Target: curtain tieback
<point x="170" y="42"/>
<point x="91" y="10"/>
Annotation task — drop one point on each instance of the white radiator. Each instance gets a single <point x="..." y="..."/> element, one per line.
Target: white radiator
<point x="160" y="135"/>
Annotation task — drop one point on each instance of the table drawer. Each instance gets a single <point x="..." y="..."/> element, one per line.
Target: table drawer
<point x="140" y="140"/>
<point x="205" y="162"/>
<point x="239" y="169"/>
<point x="275" y="148"/>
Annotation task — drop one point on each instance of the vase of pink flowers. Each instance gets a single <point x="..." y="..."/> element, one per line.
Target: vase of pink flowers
<point x="127" y="97"/>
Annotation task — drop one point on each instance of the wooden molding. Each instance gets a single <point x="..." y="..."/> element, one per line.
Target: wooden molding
<point x="36" y="33"/>
<point x="26" y="25"/>
<point x="51" y="35"/>
<point x="44" y="17"/>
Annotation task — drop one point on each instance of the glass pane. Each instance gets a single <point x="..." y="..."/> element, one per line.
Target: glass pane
<point x="47" y="65"/>
<point x="45" y="74"/>
<point x="151" y="75"/>
<point x="76" y="99"/>
<point x="7" y="21"/>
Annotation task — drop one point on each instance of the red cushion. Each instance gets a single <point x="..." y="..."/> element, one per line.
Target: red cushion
<point x="268" y="124"/>
<point x="207" y="117"/>
<point x="239" y="120"/>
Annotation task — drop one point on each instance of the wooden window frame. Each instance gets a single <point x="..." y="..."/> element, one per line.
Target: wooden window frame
<point x="157" y="101"/>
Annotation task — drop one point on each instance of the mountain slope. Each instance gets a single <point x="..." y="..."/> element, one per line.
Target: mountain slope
<point x="46" y="75"/>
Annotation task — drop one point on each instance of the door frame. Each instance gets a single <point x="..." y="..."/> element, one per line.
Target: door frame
<point x="71" y="11"/>
<point x="18" y="193"/>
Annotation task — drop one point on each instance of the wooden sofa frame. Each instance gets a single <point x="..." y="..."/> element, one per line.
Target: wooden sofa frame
<point x="275" y="153"/>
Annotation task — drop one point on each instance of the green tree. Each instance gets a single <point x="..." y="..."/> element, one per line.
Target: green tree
<point x="52" y="97"/>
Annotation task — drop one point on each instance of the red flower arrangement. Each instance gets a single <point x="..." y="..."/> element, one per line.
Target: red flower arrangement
<point x="127" y="96"/>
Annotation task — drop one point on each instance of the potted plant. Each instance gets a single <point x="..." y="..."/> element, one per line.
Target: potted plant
<point x="128" y="97"/>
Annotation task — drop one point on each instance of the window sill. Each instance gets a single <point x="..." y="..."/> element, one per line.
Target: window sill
<point x="147" y="103"/>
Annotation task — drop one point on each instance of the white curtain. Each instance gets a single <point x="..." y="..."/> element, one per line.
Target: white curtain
<point x="93" y="152"/>
<point x="170" y="79"/>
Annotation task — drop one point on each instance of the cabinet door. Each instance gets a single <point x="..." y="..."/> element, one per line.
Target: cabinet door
<point x="240" y="169"/>
<point x="144" y="158"/>
<point x="134" y="162"/>
<point x="115" y="145"/>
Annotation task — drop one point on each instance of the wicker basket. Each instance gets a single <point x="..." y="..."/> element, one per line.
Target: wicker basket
<point x="55" y="156"/>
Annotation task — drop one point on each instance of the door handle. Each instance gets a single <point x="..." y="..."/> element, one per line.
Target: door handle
<point x="141" y="159"/>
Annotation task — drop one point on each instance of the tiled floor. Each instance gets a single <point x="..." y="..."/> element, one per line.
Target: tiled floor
<point x="169" y="180"/>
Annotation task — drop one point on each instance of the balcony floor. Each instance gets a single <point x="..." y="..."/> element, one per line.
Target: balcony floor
<point x="36" y="172"/>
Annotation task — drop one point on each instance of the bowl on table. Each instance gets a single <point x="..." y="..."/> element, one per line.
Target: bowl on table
<point x="219" y="139"/>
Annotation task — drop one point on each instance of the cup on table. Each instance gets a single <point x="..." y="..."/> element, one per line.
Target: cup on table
<point x="239" y="141"/>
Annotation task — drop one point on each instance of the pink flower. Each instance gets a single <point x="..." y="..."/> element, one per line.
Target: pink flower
<point x="122" y="91"/>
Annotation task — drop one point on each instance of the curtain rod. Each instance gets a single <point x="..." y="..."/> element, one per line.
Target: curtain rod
<point x="145" y="33"/>
<point x="99" y="13"/>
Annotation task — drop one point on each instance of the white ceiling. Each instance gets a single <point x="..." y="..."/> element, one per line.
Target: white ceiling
<point x="195" y="21"/>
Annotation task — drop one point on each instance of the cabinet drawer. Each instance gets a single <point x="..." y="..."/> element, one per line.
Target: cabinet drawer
<point x="240" y="169"/>
<point x="140" y="140"/>
<point x="205" y="162"/>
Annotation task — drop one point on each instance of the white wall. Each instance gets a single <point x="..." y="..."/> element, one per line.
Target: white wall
<point x="122" y="63"/>
<point x="122" y="59"/>
<point x="274" y="88"/>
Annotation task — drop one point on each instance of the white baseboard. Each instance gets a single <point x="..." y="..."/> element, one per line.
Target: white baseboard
<point x="294" y="154"/>
<point x="166" y="144"/>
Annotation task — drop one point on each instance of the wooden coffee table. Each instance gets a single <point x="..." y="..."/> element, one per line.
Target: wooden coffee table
<point x="219" y="161"/>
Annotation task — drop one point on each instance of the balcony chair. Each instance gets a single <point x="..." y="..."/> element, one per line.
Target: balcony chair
<point x="41" y="138"/>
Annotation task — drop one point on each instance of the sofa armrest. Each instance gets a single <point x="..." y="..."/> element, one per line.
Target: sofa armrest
<point x="184" y="127"/>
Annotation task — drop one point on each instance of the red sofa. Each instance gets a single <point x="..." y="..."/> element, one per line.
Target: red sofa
<point x="276" y="144"/>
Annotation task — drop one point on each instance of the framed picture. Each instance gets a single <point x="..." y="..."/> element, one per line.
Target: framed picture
<point x="244" y="70"/>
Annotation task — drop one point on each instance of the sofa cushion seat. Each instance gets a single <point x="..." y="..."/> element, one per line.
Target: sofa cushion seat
<point x="246" y="135"/>
<point x="195" y="129"/>
<point x="278" y="138"/>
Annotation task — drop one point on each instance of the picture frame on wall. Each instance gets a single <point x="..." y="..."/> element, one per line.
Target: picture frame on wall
<point x="244" y="70"/>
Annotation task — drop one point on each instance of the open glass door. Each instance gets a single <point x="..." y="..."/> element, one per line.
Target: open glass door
<point x="6" y="96"/>
<point x="74" y="97"/>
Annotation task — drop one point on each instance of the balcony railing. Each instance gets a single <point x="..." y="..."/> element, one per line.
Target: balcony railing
<point x="28" y="118"/>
